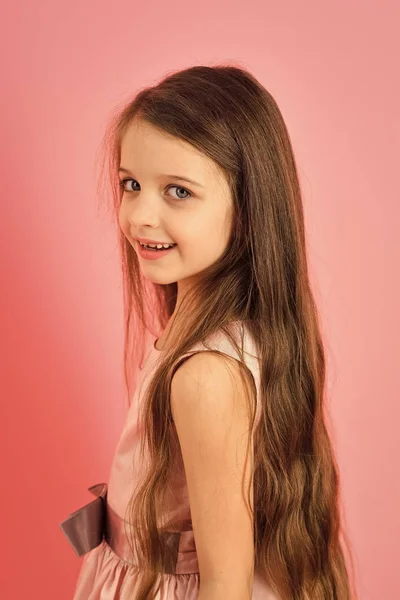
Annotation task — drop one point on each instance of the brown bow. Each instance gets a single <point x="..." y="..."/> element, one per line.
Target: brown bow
<point x="85" y="528"/>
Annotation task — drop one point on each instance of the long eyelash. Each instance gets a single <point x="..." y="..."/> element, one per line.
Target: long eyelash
<point x="123" y="182"/>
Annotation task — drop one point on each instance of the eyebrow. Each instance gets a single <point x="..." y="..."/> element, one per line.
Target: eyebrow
<point x="123" y="170"/>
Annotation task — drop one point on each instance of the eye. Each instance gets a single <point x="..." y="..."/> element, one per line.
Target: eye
<point x="180" y="189"/>
<point x="123" y="182"/>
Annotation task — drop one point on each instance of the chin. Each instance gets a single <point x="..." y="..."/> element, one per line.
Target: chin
<point x="160" y="280"/>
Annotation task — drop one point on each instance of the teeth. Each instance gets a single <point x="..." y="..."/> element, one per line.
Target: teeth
<point x="159" y="246"/>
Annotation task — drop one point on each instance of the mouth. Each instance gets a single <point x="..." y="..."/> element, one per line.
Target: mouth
<point x="153" y="253"/>
<point x="156" y="247"/>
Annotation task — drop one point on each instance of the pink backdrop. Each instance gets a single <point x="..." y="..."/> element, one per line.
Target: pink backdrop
<point x="333" y="72"/>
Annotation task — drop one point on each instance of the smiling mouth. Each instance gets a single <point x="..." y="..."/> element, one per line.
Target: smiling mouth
<point x="147" y="252"/>
<point x="156" y="248"/>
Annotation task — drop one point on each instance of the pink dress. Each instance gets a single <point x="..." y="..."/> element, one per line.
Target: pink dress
<point x="104" y="574"/>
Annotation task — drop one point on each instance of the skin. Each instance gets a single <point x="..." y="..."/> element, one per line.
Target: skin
<point x="199" y="223"/>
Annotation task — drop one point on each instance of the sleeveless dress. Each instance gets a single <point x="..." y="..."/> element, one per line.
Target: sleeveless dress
<point x="104" y="574"/>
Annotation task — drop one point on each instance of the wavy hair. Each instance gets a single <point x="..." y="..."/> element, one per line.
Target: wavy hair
<point x="262" y="279"/>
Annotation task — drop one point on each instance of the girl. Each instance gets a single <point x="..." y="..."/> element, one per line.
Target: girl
<point x="224" y="484"/>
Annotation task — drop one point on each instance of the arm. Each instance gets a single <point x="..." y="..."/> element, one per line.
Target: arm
<point x="209" y="409"/>
<point x="231" y="591"/>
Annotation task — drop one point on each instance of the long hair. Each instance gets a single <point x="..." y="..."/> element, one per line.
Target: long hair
<point x="261" y="278"/>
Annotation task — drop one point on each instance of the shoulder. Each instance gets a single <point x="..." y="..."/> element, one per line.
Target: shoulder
<point x="211" y="382"/>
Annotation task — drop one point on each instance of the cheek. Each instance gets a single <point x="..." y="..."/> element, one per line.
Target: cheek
<point x="123" y="221"/>
<point x="203" y="238"/>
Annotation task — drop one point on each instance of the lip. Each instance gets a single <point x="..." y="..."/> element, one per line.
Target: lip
<point x="147" y="241"/>
<point x="152" y="254"/>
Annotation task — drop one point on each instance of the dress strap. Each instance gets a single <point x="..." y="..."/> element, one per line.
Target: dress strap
<point x="87" y="527"/>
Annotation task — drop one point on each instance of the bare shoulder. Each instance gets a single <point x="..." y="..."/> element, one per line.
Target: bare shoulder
<point x="208" y="375"/>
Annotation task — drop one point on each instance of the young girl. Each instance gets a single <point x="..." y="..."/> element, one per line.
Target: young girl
<point x="224" y="484"/>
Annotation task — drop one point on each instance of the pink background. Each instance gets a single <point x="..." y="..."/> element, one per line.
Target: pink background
<point x="334" y="73"/>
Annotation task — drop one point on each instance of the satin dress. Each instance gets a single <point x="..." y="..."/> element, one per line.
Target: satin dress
<point x="97" y="530"/>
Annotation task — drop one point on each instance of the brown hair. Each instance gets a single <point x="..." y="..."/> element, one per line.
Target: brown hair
<point x="261" y="278"/>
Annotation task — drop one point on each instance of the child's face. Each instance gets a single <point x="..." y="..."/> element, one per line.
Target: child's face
<point x="152" y="208"/>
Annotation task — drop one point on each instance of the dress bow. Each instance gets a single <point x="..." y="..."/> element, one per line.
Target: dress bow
<point x="85" y="528"/>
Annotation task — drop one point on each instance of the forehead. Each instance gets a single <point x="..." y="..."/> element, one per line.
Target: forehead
<point x="148" y="150"/>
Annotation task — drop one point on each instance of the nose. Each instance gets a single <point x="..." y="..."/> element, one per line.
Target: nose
<point x="142" y="213"/>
